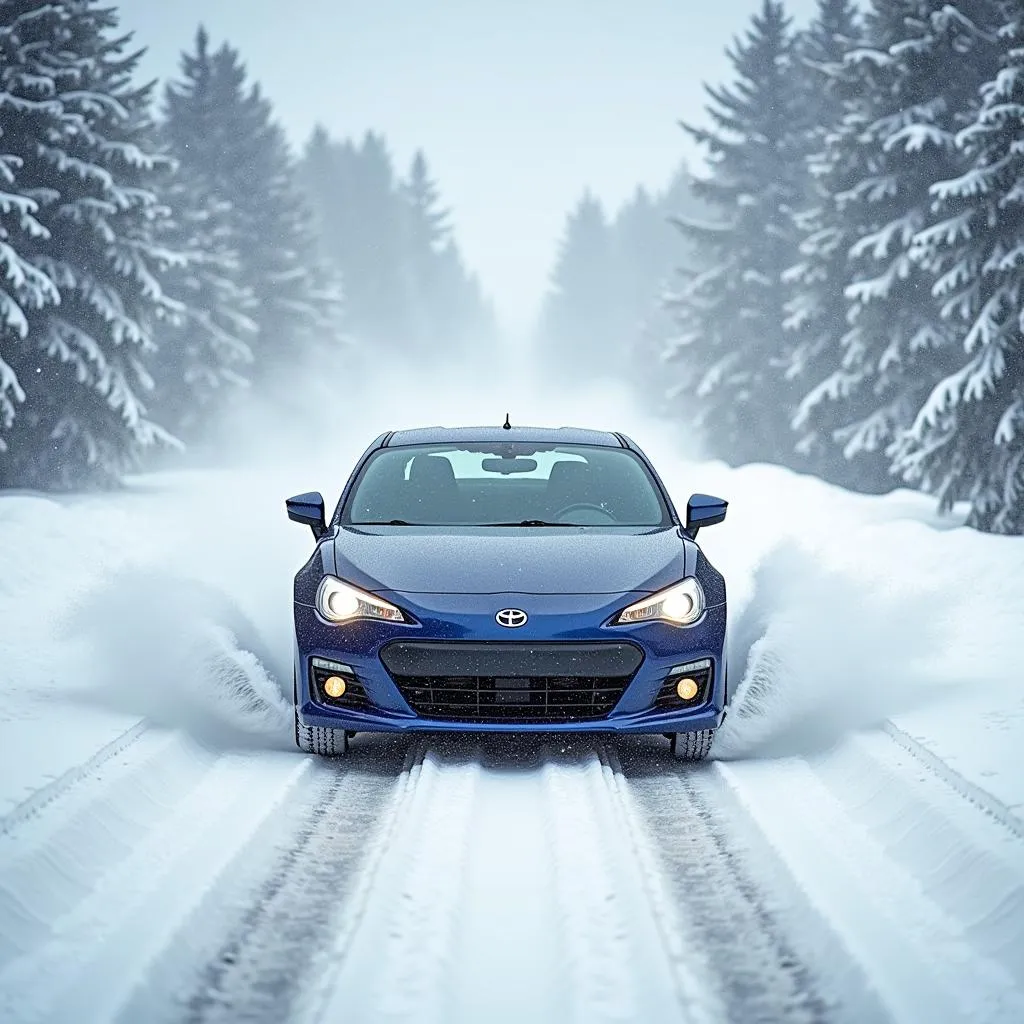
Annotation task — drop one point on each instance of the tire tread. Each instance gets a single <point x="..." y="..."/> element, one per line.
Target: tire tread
<point x="693" y="746"/>
<point x="315" y="739"/>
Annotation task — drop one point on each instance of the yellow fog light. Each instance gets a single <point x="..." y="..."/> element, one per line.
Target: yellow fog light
<point x="687" y="688"/>
<point x="335" y="686"/>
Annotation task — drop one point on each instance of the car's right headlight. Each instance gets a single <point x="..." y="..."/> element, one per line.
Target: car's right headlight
<point x="681" y="605"/>
<point x="338" y="601"/>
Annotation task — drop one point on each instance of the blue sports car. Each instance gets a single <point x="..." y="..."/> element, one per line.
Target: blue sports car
<point x="508" y="579"/>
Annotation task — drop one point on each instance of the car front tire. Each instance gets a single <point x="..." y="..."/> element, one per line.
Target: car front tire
<point x="692" y="746"/>
<point x="315" y="739"/>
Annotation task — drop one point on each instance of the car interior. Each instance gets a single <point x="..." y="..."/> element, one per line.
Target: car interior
<point x="426" y="490"/>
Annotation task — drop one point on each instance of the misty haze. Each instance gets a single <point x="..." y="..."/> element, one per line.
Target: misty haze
<point x="645" y="383"/>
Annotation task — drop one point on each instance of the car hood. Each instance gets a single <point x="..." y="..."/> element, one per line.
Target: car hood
<point x="537" y="560"/>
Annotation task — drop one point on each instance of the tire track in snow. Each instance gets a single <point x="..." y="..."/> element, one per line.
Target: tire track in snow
<point x="922" y="961"/>
<point x="59" y="787"/>
<point x="310" y="1004"/>
<point x="617" y="968"/>
<point x="365" y="890"/>
<point x="85" y="828"/>
<point x="592" y="919"/>
<point x="965" y="861"/>
<point x="504" y="933"/>
<point x="955" y="781"/>
<point x="125" y="869"/>
<point x="691" y="968"/>
<point x="508" y="893"/>
<point x="265" y="932"/>
<point x="398" y="961"/>
<point x="741" y="919"/>
<point x="416" y="956"/>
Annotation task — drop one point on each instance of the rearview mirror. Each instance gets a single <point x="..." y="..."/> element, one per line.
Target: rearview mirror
<point x="309" y="509"/>
<point x="506" y="466"/>
<point x="704" y="510"/>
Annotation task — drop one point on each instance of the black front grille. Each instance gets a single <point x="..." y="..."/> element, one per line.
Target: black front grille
<point x="540" y="683"/>
<point x="505" y="699"/>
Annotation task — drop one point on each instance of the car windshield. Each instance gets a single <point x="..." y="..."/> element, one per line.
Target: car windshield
<point x="505" y="485"/>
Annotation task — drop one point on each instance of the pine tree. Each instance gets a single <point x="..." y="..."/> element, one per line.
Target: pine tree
<point x="26" y="287"/>
<point x="222" y="132"/>
<point x="573" y="320"/>
<point x="816" y="306"/>
<point x="427" y="233"/>
<point x="79" y="222"/>
<point x="429" y="222"/>
<point x="675" y="203"/>
<point x="832" y="33"/>
<point x="406" y="284"/>
<point x="911" y="84"/>
<point x="321" y="173"/>
<point x="618" y="310"/>
<point x="640" y="236"/>
<point x="379" y="275"/>
<point x="730" y="338"/>
<point x="649" y="254"/>
<point x="461" y="315"/>
<point x="205" y="349"/>
<point x="362" y="224"/>
<point x="967" y="441"/>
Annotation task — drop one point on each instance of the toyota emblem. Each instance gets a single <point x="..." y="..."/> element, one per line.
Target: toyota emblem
<point x="512" y="618"/>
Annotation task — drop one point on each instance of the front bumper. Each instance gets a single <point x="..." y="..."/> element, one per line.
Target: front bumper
<point x="464" y="624"/>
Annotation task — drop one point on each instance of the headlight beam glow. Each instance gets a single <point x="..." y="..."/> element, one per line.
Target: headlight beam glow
<point x="338" y="602"/>
<point x="681" y="605"/>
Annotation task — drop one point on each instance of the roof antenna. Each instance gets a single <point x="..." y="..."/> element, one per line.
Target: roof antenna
<point x="506" y="425"/>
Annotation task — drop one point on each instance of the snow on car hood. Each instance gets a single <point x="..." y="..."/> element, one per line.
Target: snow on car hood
<point x="531" y="560"/>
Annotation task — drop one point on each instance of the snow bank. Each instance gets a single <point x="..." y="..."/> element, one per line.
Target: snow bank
<point x="848" y="609"/>
<point x="98" y="827"/>
<point x="121" y="861"/>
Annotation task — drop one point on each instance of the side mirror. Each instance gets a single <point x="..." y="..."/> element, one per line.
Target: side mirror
<point x="704" y="510"/>
<point x="309" y="509"/>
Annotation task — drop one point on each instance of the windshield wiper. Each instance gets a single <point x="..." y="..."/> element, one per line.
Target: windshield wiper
<point x="529" y="522"/>
<point x="520" y="522"/>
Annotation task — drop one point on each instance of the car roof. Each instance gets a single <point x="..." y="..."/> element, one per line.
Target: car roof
<point x="488" y="435"/>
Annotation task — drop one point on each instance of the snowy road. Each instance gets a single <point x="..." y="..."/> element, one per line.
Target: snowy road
<point x="509" y="880"/>
<point x="166" y="856"/>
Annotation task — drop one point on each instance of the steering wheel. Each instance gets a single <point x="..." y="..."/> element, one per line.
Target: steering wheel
<point x="584" y="505"/>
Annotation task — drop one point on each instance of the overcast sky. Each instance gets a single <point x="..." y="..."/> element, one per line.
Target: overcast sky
<point x="518" y="105"/>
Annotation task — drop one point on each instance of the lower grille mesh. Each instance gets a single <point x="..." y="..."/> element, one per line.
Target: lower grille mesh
<point x="498" y="699"/>
<point x="512" y="682"/>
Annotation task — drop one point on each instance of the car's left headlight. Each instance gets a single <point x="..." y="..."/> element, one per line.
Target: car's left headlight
<point x="682" y="605"/>
<point x="338" y="601"/>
